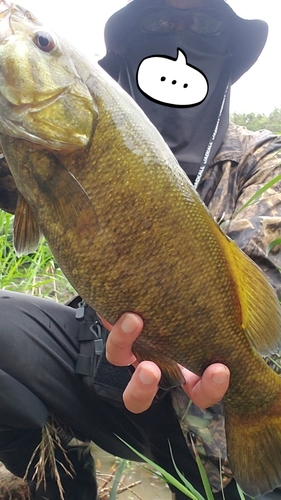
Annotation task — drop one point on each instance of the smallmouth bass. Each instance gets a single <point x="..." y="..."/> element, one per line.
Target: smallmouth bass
<point x="131" y="234"/>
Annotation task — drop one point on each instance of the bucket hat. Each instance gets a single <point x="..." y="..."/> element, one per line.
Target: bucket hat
<point x="247" y="36"/>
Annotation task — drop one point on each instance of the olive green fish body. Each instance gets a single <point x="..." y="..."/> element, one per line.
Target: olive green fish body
<point x="123" y="236"/>
<point x="131" y="234"/>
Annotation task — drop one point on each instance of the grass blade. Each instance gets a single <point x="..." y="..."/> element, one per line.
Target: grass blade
<point x="205" y="480"/>
<point x="258" y="194"/>
<point x="272" y="245"/>
<point x="117" y="479"/>
<point x="188" y="490"/>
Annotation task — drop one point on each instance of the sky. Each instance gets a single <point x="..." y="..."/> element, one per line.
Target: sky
<point x="82" y="23"/>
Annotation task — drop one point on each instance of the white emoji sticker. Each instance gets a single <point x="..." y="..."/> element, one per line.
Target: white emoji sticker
<point x="171" y="81"/>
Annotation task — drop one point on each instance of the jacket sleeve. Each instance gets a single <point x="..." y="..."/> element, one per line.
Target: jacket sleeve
<point x="255" y="227"/>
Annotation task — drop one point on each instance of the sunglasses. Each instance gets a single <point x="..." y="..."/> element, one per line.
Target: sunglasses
<point x="166" y="20"/>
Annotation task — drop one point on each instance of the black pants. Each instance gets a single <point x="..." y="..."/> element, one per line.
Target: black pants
<point x="38" y="353"/>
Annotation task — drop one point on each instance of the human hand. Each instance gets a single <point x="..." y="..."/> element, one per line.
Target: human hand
<point x="204" y="391"/>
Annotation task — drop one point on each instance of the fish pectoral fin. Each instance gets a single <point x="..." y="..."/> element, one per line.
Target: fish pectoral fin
<point x="68" y="202"/>
<point x="76" y="204"/>
<point x="27" y="234"/>
<point x="260" y="308"/>
<point x="171" y="373"/>
<point x="254" y="447"/>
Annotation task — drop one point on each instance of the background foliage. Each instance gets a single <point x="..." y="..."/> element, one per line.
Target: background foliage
<point x="257" y="121"/>
<point x="37" y="274"/>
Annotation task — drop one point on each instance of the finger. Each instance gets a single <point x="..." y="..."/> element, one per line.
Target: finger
<point x="121" y="338"/>
<point x="105" y="323"/>
<point x="209" y="389"/>
<point x="142" y="388"/>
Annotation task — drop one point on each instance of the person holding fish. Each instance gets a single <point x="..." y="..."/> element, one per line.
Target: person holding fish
<point x="178" y="60"/>
<point x="153" y="31"/>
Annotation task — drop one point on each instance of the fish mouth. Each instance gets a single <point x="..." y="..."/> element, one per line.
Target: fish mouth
<point x="6" y="9"/>
<point x="29" y="101"/>
<point x="17" y="111"/>
<point x="18" y="118"/>
<point x="4" y="6"/>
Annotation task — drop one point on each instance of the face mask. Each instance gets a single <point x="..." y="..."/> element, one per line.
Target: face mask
<point x="193" y="133"/>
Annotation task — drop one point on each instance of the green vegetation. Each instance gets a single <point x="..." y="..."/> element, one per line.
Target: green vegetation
<point x="37" y="273"/>
<point x="183" y="485"/>
<point x="257" y="121"/>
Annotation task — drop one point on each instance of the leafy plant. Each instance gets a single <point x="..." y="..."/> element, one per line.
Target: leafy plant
<point x="258" y="121"/>
<point x="36" y="273"/>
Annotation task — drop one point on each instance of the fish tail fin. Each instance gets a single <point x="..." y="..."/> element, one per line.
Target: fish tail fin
<point x="254" y="448"/>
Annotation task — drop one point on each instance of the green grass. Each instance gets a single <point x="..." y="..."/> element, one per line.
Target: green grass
<point x="37" y="274"/>
<point x="183" y="485"/>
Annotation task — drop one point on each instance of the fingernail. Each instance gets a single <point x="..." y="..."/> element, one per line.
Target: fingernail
<point x="129" y="323"/>
<point x="220" y="378"/>
<point x="146" y="377"/>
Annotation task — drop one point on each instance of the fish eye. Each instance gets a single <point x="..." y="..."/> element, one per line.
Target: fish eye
<point x="44" y="41"/>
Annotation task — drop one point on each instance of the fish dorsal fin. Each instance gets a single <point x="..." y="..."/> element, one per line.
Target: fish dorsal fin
<point x="26" y="231"/>
<point x="261" y="310"/>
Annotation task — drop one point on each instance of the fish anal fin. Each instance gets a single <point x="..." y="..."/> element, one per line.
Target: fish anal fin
<point x="171" y="373"/>
<point x="260" y="308"/>
<point x="254" y="448"/>
<point x="27" y="234"/>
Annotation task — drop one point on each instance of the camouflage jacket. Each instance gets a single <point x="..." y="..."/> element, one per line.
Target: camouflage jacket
<point x="245" y="163"/>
